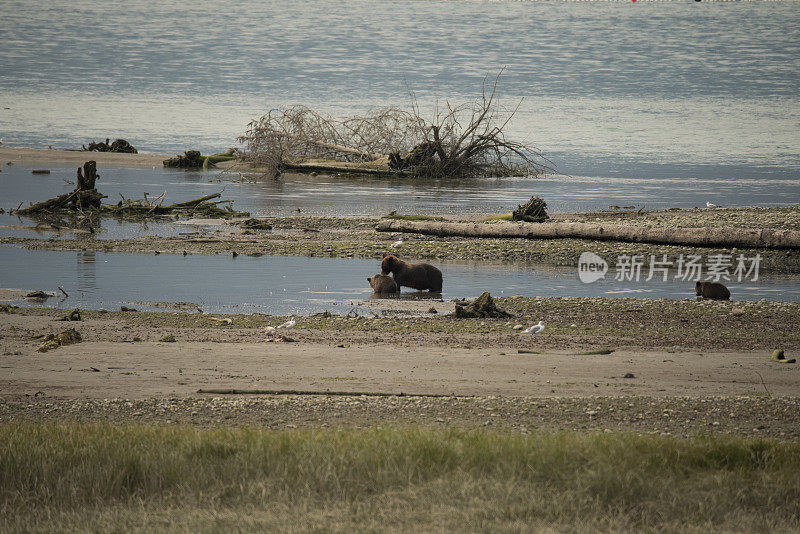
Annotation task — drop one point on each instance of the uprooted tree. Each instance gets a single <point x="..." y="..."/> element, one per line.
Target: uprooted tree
<point x="459" y="141"/>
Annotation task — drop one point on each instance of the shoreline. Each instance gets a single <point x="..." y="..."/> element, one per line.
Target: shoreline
<point x="357" y="237"/>
<point x="34" y="156"/>
<point x="652" y="374"/>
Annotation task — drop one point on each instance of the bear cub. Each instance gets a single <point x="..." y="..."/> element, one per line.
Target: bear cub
<point x="712" y="290"/>
<point x="419" y="276"/>
<point x="382" y="283"/>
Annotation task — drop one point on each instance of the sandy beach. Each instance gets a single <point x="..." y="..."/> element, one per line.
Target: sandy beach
<point x="35" y="156"/>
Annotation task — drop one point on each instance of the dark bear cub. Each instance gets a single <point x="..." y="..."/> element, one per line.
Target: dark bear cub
<point x="712" y="290"/>
<point x="419" y="276"/>
<point x="383" y="283"/>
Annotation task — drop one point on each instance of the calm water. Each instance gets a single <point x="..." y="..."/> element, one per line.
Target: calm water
<point x="328" y="195"/>
<point x="674" y="90"/>
<point x="300" y="285"/>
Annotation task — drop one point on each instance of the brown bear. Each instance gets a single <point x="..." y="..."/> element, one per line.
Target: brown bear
<point x="383" y="283"/>
<point x="418" y="276"/>
<point x="712" y="290"/>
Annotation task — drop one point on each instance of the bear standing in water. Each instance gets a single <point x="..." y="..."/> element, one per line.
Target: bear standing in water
<point x="712" y="290"/>
<point x="382" y="283"/>
<point x="418" y="276"/>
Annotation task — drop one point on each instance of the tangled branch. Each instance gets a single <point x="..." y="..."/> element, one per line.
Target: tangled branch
<point x="467" y="140"/>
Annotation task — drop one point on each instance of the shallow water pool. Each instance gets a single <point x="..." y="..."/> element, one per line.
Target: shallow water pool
<point x="283" y="285"/>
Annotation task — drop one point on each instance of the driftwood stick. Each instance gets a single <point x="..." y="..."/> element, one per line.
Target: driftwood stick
<point x="191" y="203"/>
<point x="56" y="202"/>
<point x="325" y="392"/>
<point x="698" y="237"/>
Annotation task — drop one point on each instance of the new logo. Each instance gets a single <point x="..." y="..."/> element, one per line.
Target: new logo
<point x="591" y="267"/>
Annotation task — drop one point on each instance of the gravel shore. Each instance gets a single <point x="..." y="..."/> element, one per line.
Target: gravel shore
<point x="676" y="416"/>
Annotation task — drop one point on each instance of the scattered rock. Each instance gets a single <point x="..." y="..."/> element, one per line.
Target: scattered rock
<point x="127" y="309"/>
<point x="432" y="310"/>
<point x="40" y="171"/>
<point x="255" y="224"/>
<point x="168" y="339"/>
<point x="7" y="308"/>
<point x="737" y="312"/>
<point x="74" y="315"/>
<point x="38" y="295"/>
<point x="628" y="375"/>
<point x="518" y="327"/>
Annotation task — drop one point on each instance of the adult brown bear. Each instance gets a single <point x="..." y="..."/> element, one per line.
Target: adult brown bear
<point x="419" y="276"/>
<point x="712" y="290"/>
<point x="383" y="283"/>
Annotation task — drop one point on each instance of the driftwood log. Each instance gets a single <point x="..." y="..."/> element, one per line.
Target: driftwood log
<point x="699" y="237"/>
<point x="232" y="391"/>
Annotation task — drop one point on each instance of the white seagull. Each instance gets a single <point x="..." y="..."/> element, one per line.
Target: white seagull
<point x="288" y="324"/>
<point x="397" y="244"/>
<point x="269" y="330"/>
<point x="535" y="329"/>
<point x="710" y="205"/>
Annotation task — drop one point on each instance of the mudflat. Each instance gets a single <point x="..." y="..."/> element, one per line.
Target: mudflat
<point x="35" y="156"/>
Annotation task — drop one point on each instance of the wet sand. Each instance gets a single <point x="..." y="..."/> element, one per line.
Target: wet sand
<point x="35" y="156"/>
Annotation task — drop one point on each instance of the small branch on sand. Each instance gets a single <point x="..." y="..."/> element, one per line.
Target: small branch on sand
<point x="325" y="392"/>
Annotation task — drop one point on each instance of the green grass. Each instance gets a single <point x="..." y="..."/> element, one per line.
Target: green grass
<point x="177" y="478"/>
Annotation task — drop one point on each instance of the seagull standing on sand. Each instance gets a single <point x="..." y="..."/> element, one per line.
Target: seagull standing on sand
<point x="288" y="324"/>
<point x="397" y="244"/>
<point x="535" y="329"/>
<point x="710" y="205"/>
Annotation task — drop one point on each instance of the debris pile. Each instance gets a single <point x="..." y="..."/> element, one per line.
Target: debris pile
<point x="193" y="159"/>
<point x="481" y="307"/>
<point x="535" y="210"/>
<point x="53" y="341"/>
<point x="119" y="145"/>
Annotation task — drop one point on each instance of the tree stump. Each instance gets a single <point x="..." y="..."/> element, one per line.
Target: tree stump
<point x="88" y="177"/>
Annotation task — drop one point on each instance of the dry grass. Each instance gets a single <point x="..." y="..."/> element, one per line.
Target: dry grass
<point x="156" y="478"/>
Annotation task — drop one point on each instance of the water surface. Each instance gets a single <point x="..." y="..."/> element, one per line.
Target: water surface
<point x="299" y="285"/>
<point x="669" y="89"/>
<point x="348" y="196"/>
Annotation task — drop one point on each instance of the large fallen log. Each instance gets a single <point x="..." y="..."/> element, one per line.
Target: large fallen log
<point x="340" y="168"/>
<point x="699" y="237"/>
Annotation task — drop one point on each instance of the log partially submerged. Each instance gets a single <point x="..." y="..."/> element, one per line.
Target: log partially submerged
<point x="85" y="201"/>
<point x="341" y="168"/>
<point x="83" y="197"/>
<point x="198" y="206"/>
<point x="699" y="237"/>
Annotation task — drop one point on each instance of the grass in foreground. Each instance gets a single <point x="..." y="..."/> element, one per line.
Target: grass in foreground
<point x="156" y="478"/>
